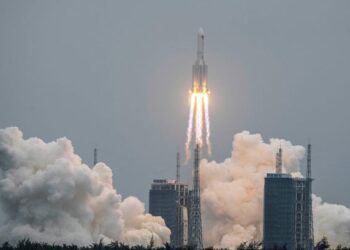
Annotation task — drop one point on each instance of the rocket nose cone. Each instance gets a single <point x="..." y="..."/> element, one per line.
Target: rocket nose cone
<point x="201" y="31"/>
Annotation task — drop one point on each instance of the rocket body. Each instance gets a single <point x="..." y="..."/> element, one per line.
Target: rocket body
<point x="198" y="121"/>
<point x="200" y="69"/>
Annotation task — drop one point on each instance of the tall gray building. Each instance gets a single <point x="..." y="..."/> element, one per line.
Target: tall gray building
<point x="168" y="199"/>
<point x="288" y="209"/>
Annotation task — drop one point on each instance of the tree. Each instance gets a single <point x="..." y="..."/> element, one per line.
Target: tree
<point x="322" y="244"/>
<point x="254" y="245"/>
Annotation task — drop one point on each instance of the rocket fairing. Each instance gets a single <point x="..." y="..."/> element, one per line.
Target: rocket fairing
<point x="200" y="69"/>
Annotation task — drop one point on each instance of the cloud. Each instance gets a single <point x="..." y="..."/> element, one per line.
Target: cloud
<point x="47" y="194"/>
<point x="232" y="194"/>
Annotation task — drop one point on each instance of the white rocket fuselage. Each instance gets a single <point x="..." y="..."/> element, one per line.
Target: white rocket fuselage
<point x="200" y="69"/>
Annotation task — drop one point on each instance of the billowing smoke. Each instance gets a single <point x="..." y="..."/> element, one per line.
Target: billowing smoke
<point x="232" y="194"/>
<point x="331" y="220"/>
<point x="47" y="194"/>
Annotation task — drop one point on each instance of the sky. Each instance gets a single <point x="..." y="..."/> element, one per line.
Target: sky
<point x="116" y="74"/>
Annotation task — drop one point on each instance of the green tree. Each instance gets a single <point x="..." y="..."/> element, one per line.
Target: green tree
<point x="322" y="244"/>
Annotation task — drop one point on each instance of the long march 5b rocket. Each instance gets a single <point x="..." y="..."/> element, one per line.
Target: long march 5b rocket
<point x="198" y="122"/>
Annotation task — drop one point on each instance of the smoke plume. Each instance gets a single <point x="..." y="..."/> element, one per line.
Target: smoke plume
<point x="47" y="194"/>
<point x="232" y="194"/>
<point x="331" y="220"/>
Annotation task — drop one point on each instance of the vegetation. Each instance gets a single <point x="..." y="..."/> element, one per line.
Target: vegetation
<point x="323" y="244"/>
<point x="28" y="245"/>
<point x="254" y="245"/>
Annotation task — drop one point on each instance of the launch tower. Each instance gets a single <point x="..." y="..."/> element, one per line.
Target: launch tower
<point x="195" y="240"/>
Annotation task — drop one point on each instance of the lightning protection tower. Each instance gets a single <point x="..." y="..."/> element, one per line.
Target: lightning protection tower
<point x="279" y="161"/>
<point x="177" y="167"/>
<point x="95" y="156"/>
<point x="309" y="223"/>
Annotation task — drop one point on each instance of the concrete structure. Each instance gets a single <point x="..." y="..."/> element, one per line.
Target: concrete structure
<point x="287" y="210"/>
<point x="168" y="199"/>
<point x="279" y="207"/>
<point x="182" y="194"/>
<point x="162" y="202"/>
<point x="181" y="238"/>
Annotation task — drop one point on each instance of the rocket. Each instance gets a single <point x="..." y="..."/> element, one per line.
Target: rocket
<point x="198" y="120"/>
<point x="200" y="69"/>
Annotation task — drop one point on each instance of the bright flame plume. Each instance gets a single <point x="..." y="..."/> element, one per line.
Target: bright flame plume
<point x="198" y="118"/>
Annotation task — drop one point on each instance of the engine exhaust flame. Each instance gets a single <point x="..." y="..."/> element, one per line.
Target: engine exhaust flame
<point x="199" y="109"/>
<point x="207" y="123"/>
<point x="190" y="126"/>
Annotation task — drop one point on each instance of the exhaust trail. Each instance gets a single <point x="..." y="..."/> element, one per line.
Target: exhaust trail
<point x="199" y="120"/>
<point x="190" y="126"/>
<point x="207" y="122"/>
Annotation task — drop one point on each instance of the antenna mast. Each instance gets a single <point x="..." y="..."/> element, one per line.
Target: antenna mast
<point x="279" y="161"/>
<point x="177" y="167"/>
<point x="95" y="156"/>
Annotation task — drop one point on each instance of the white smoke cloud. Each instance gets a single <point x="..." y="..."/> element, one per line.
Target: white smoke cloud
<point x="331" y="220"/>
<point x="47" y="194"/>
<point x="232" y="194"/>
